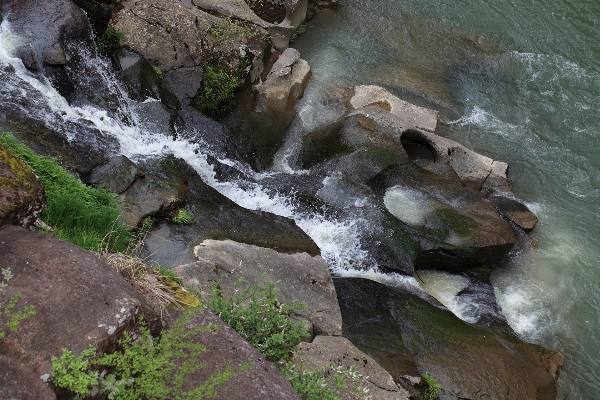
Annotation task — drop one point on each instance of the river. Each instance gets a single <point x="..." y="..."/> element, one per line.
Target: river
<point x="518" y="81"/>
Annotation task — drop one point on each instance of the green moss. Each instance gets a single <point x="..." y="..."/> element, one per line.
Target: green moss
<point x="77" y="212"/>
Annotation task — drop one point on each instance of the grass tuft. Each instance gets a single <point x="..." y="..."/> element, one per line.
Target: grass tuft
<point x="76" y="212"/>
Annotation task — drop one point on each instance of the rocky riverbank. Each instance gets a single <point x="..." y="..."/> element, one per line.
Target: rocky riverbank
<point x="432" y="203"/>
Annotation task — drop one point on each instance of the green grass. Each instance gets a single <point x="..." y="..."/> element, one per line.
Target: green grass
<point x="76" y="212"/>
<point x="110" y="40"/>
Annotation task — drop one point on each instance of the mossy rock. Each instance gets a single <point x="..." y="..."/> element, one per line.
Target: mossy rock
<point x="22" y="195"/>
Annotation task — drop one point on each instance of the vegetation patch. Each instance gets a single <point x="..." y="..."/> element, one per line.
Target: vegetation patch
<point x="216" y="97"/>
<point x="183" y="217"/>
<point x="8" y="316"/>
<point x="430" y="387"/>
<point x="148" y="368"/>
<point x="76" y="212"/>
<point x="110" y="40"/>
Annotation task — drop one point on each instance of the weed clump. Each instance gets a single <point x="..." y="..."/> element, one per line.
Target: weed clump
<point x="110" y="40"/>
<point x="12" y="319"/>
<point x="76" y="212"/>
<point x="216" y="97"/>
<point x="430" y="387"/>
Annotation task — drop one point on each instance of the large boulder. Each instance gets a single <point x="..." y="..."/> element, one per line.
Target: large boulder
<point x="22" y="196"/>
<point x="467" y="361"/>
<point x="301" y="277"/>
<point x="17" y="381"/>
<point x="79" y="300"/>
<point x="226" y="347"/>
<point x="327" y="352"/>
<point x="285" y="83"/>
<point x="451" y="201"/>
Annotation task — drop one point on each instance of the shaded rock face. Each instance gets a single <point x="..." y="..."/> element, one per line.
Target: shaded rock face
<point x="433" y="189"/>
<point x="17" y="381"/>
<point x="285" y="83"/>
<point x="327" y="351"/>
<point x="22" y="196"/>
<point x="468" y="362"/>
<point x="226" y="347"/>
<point x="301" y="277"/>
<point x="79" y="300"/>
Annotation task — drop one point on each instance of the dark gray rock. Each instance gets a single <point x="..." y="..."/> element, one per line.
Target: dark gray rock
<point x="183" y="83"/>
<point x="17" y="381"/>
<point x="117" y="175"/>
<point x="79" y="300"/>
<point x="301" y="277"/>
<point x="468" y="362"/>
<point x="22" y="196"/>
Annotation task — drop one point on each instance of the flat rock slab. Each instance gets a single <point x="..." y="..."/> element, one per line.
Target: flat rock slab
<point x="302" y="277"/>
<point x="79" y="299"/>
<point x="22" y="195"/>
<point x="331" y="351"/>
<point x="17" y="381"/>
<point x="260" y="381"/>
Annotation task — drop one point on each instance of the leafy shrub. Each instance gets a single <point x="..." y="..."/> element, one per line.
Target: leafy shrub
<point x="77" y="213"/>
<point x="148" y="368"/>
<point x="257" y="315"/>
<point x="11" y="318"/>
<point x="322" y="384"/>
<point x="430" y="387"/>
<point x="110" y="40"/>
<point x="216" y="97"/>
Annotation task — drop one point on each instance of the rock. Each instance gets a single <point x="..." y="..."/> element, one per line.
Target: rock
<point x="226" y="346"/>
<point x="47" y="25"/>
<point x="368" y="324"/>
<point x="231" y="9"/>
<point x="184" y="83"/>
<point x="22" y="196"/>
<point x="217" y="217"/>
<point x="429" y="187"/>
<point x="116" y="176"/>
<point x="161" y="189"/>
<point x="79" y="300"/>
<point x="173" y="35"/>
<point x="330" y="351"/>
<point x="301" y="277"/>
<point x="515" y="211"/>
<point x="17" y="381"/>
<point x="468" y="362"/>
<point x="99" y="12"/>
<point x="285" y="83"/>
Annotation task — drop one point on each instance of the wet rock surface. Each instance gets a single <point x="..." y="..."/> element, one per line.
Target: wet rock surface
<point x="301" y="277"/>
<point x="468" y="362"/>
<point x="22" y="196"/>
<point x="79" y="300"/>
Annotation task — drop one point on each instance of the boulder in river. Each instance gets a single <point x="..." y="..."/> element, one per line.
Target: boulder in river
<point x="468" y="362"/>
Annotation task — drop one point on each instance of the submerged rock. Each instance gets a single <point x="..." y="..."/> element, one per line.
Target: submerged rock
<point x="468" y="362"/>
<point x="22" y="196"/>
<point x="300" y="277"/>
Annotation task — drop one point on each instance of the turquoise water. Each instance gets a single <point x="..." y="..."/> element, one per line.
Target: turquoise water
<point x="518" y="81"/>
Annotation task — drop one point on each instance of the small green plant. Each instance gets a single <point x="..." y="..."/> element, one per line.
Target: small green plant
<point x="216" y="97"/>
<point x="183" y="217"/>
<point x="430" y="387"/>
<point x="148" y="368"/>
<point x="12" y="319"/>
<point x="258" y="316"/>
<point x="77" y="213"/>
<point x="322" y="384"/>
<point x="298" y="32"/>
<point x="168" y="273"/>
<point x="110" y="40"/>
<point x="159" y="72"/>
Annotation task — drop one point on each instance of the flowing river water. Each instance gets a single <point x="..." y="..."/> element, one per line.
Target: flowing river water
<point x="514" y="81"/>
<point x="518" y="81"/>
